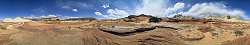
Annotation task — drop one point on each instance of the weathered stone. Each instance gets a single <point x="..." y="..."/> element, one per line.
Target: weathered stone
<point x="191" y="35"/>
<point x="142" y="18"/>
<point x="124" y="28"/>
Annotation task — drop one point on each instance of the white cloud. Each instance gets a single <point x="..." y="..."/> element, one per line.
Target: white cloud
<point x="162" y="8"/>
<point x="17" y="19"/>
<point x="48" y="16"/>
<point x="152" y="7"/>
<point x="170" y="12"/>
<point x="116" y="13"/>
<point x="105" y="6"/>
<point x="98" y="13"/>
<point x="52" y="16"/>
<point x="149" y="7"/>
<point x="212" y="9"/>
<point x="75" y="10"/>
<point x="68" y="17"/>
<point x="67" y="7"/>
<point x="113" y="14"/>
<point x="179" y="5"/>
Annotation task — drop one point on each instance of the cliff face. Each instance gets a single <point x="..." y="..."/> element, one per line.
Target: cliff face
<point x="132" y="30"/>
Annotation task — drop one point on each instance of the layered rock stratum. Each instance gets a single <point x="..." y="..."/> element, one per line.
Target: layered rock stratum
<point x="131" y="30"/>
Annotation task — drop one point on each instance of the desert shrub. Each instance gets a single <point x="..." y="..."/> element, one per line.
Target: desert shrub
<point x="2" y="27"/>
<point x="177" y="16"/>
<point x="214" y="34"/>
<point x="131" y="16"/>
<point x="154" y="19"/>
<point x="238" y="33"/>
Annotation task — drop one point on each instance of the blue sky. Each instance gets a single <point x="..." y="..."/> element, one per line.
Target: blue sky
<point x="87" y="8"/>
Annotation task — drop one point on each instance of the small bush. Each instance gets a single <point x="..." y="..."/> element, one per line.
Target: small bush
<point x="238" y="33"/>
<point x="155" y="19"/>
<point x="214" y="34"/>
<point x="2" y="27"/>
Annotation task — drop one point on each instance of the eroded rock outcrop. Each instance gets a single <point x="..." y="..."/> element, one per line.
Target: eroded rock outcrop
<point x="191" y="35"/>
<point x="133" y="30"/>
<point x="141" y="19"/>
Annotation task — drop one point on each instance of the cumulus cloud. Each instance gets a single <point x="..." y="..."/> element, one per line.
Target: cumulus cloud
<point x="116" y="13"/>
<point x="43" y="16"/>
<point x="152" y="7"/>
<point x="17" y="19"/>
<point x="75" y="10"/>
<point x="48" y="16"/>
<point x="98" y="13"/>
<point x="113" y="14"/>
<point x="162" y="8"/>
<point x="212" y="9"/>
<point x="105" y="6"/>
<point x="156" y="8"/>
<point x="69" y="17"/>
<point x="179" y="5"/>
<point x="170" y="12"/>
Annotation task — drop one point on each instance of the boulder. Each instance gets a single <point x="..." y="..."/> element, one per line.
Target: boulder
<point x="141" y="18"/>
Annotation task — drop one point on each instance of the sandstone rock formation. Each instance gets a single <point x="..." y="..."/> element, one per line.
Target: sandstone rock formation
<point x="191" y="35"/>
<point x="141" y="19"/>
<point x="132" y="30"/>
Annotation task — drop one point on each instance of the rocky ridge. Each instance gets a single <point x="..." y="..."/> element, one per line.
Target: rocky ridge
<point x="131" y="30"/>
